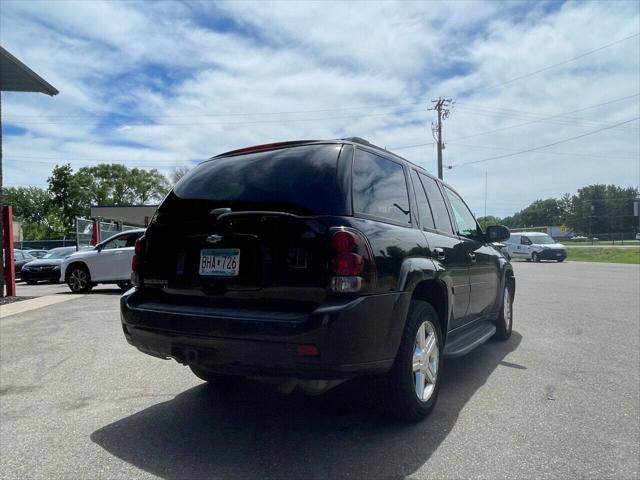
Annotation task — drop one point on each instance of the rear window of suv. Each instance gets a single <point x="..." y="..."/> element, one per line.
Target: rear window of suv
<point x="303" y="177"/>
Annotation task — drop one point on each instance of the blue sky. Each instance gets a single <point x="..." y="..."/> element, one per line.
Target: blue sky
<point x="166" y="84"/>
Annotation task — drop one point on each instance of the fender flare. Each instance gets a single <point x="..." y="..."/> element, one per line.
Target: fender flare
<point x="414" y="271"/>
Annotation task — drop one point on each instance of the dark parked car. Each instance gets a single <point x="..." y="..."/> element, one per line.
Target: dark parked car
<point x="20" y="258"/>
<point x="47" y="267"/>
<point x="36" y="252"/>
<point x="314" y="262"/>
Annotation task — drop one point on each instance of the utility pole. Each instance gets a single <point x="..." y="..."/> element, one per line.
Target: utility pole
<point x="442" y="106"/>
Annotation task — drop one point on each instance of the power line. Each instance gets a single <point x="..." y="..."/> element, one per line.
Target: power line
<point x="552" y="119"/>
<point x="542" y="119"/>
<point x="517" y="125"/>
<point x="568" y="154"/>
<point x="547" y="114"/>
<point x="247" y="114"/>
<point x="564" y="62"/>
<point x="251" y="122"/>
<point x="544" y="146"/>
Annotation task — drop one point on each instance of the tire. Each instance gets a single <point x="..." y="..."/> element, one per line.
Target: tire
<point x="217" y="379"/>
<point x="405" y="377"/>
<point x="560" y="261"/>
<point x="31" y="282"/>
<point x="504" y="322"/>
<point x="124" y="286"/>
<point x="79" y="279"/>
<point x="535" y="257"/>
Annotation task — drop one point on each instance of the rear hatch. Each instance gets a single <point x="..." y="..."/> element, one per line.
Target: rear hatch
<point x="249" y="230"/>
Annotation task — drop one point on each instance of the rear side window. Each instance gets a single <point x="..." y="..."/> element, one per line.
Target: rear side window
<point x="438" y="207"/>
<point x="380" y="188"/>
<point x="424" y="211"/>
<point x="301" y="178"/>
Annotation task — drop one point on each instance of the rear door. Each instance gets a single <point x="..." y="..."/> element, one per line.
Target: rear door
<point x="445" y="246"/>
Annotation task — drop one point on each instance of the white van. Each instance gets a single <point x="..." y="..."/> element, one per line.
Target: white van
<point x="535" y="246"/>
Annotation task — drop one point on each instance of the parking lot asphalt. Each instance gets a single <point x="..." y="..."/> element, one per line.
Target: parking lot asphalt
<point x="560" y="399"/>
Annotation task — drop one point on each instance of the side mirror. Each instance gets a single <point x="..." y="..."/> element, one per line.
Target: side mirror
<point x="497" y="233"/>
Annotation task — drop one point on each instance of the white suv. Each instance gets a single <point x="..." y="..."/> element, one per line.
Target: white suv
<point x="107" y="262"/>
<point x="535" y="246"/>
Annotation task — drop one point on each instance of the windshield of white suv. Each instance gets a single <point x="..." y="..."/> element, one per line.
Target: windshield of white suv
<point x="541" y="239"/>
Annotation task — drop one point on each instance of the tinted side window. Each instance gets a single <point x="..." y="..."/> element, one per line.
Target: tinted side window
<point x="436" y="201"/>
<point x="467" y="225"/>
<point x="424" y="210"/>
<point x="380" y="188"/>
<point x="525" y="240"/>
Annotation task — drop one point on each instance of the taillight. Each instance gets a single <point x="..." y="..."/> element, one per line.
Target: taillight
<point x="136" y="262"/>
<point x="352" y="263"/>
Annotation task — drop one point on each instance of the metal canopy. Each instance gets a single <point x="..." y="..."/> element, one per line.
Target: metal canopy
<point x="15" y="76"/>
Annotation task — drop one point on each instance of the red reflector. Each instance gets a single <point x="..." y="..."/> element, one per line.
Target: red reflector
<point x="135" y="263"/>
<point x="308" y="351"/>
<point x="346" y="264"/>
<point x="138" y="246"/>
<point x="343" y="241"/>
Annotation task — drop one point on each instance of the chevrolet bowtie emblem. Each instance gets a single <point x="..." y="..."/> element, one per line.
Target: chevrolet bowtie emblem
<point x="214" y="238"/>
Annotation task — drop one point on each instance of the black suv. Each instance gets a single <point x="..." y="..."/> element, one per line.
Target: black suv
<point x="313" y="262"/>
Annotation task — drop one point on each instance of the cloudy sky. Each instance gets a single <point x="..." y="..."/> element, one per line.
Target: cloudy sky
<point x="165" y="84"/>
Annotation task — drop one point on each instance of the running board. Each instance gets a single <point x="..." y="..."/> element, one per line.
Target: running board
<point x="462" y="343"/>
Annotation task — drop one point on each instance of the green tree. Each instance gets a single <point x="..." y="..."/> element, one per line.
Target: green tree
<point x="69" y="195"/>
<point x="115" y="184"/>
<point x="603" y="209"/>
<point x="538" y="214"/>
<point x="104" y="184"/>
<point x="34" y="207"/>
<point x="148" y="185"/>
<point x="489" y="220"/>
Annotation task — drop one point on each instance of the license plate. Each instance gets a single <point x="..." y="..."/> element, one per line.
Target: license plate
<point x="220" y="262"/>
<point x="558" y="254"/>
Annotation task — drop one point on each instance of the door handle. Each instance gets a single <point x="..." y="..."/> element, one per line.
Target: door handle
<point x="472" y="256"/>
<point x="439" y="253"/>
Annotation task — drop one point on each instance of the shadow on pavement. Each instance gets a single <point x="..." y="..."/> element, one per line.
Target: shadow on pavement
<point x="255" y="432"/>
<point x="101" y="291"/>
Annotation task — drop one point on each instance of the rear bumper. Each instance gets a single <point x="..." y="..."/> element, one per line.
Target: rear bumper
<point x="354" y="336"/>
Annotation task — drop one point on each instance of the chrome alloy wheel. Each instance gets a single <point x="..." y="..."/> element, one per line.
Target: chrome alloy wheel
<point x="507" y="313"/>
<point x="78" y="280"/>
<point x="425" y="361"/>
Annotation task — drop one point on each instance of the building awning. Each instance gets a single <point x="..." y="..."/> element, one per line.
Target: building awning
<point x="15" y="76"/>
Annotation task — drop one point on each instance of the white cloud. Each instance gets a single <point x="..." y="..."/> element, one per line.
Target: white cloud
<point x="163" y="84"/>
